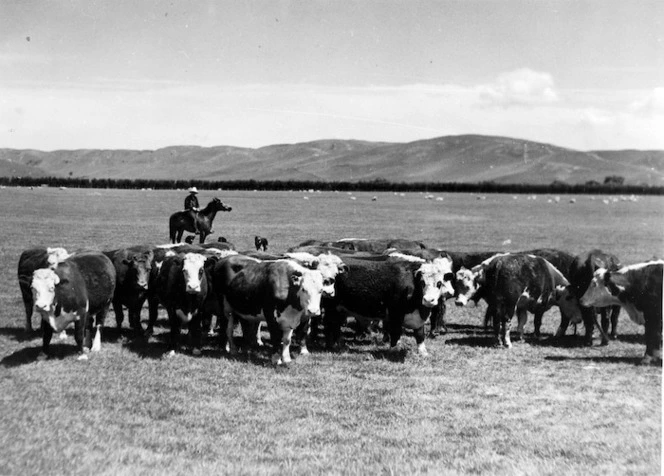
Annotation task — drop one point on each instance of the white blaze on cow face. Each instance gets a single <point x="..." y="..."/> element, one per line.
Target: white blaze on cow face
<point x="597" y="294"/>
<point x="43" y="290"/>
<point x="330" y="266"/>
<point x="310" y="289"/>
<point x="192" y="267"/>
<point x="466" y="286"/>
<point x="436" y="280"/>
<point x="55" y="256"/>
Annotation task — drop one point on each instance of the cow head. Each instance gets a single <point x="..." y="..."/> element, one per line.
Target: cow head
<point x="44" y="285"/>
<point x="192" y="267"/>
<point x="568" y="303"/>
<point x="309" y="288"/>
<point x="436" y="281"/>
<point x="55" y="256"/>
<point x="141" y="265"/>
<point x="330" y="266"/>
<point x="599" y="294"/>
<point x="467" y="284"/>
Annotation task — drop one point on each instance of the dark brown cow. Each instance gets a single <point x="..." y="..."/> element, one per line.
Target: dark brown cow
<point x="132" y="269"/>
<point x="77" y="290"/>
<point x="29" y="261"/>
<point x="581" y="273"/>
<point x="637" y="288"/>
<point x="401" y="293"/>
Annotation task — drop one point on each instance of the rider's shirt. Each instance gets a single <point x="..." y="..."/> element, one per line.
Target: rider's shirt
<point x="191" y="202"/>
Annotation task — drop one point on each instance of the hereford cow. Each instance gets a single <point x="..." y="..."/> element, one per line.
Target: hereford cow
<point x="517" y="283"/>
<point x="378" y="245"/>
<point x="637" y="288"/>
<point x="132" y="269"/>
<point x="401" y="293"/>
<point x="77" y="290"/>
<point x="282" y="292"/>
<point x="29" y="261"/>
<point x="581" y="273"/>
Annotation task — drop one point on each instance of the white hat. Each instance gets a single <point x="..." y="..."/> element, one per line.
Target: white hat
<point x="192" y="190"/>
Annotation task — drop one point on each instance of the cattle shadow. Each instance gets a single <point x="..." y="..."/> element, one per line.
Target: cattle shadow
<point x="19" y="334"/>
<point x="632" y="338"/>
<point x="481" y="340"/>
<point x="31" y="355"/>
<point x="609" y="359"/>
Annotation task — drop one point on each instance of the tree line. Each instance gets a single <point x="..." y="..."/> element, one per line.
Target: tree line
<point x="611" y="185"/>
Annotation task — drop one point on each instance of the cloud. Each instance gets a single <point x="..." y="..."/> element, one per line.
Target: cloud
<point x="650" y="105"/>
<point x="522" y="87"/>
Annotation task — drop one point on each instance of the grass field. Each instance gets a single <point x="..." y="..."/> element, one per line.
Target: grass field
<point x="539" y="408"/>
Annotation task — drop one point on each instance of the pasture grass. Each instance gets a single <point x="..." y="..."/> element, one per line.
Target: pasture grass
<point x="542" y="407"/>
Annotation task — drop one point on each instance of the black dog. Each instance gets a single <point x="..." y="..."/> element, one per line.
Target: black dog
<point x="261" y="243"/>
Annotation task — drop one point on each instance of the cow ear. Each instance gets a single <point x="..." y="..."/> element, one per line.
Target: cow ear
<point x="56" y="279"/>
<point x="296" y="278"/>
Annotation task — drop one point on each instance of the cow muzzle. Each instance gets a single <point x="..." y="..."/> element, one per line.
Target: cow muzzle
<point x="461" y="300"/>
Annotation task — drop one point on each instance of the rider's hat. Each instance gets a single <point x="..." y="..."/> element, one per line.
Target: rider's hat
<point x="192" y="190"/>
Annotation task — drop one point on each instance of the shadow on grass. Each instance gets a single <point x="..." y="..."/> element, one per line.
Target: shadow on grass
<point x="486" y="340"/>
<point x="609" y="359"/>
<point x="632" y="338"/>
<point x="19" y="334"/>
<point x="31" y="355"/>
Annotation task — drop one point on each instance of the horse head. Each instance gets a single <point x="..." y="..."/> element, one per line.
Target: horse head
<point x="219" y="206"/>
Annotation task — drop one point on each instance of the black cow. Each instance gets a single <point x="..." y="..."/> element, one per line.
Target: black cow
<point x="29" y="261"/>
<point x="132" y="269"/>
<point x="401" y="293"/>
<point x="637" y="288"/>
<point x="518" y="283"/>
<point x="181" y="287"/>
<point x="282" y="293"/>
<point x="77" y="290"/>
<point x="581" y="273"/>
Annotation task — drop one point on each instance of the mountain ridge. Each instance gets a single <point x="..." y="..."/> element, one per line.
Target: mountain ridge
<point x="466" y="158"/>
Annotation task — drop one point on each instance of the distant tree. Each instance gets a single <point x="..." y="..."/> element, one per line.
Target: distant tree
<point x="614" y="180"/>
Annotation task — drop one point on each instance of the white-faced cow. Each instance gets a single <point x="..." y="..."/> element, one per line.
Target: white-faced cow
<point x="181" y="287"/>
<point x="638" y="289"/>
<point x="29" y="261"/>
<point x="78" y="290"/>
<point x="581" y="273"/>
<point x="401" y="293"/>
<point x="517" y="283"/>
<point x="281" y="292"/>
<point x="132" y="269"/>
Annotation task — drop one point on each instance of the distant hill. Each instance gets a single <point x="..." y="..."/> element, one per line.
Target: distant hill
<point x="464" y="158"/>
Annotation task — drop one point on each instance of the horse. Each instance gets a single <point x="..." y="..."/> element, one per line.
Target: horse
<point x="179" y="222"/>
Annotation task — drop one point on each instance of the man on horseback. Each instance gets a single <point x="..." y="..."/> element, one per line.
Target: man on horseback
<point x="191" y="205"/>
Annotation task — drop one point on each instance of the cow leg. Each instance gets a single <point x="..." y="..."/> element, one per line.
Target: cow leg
<point x="332" y="321"/>
<point x="202" y="237"/>
<point x="275" y="338"/>
<point x="230" y="327"/>
<point x="438" y="319"/>
<point x="604" y="312"/>
<point x="615" y="312"/>
<point x="96" y="343"/>
<point x="302" y="333"/>
<point x="47" y="335"/>
<point x="153" y="313"/>
<point x="538" y="324"/>
<point x="29" y="306"/>
<point x="562" y="328"/>
<point x="195" y="334"/>
<point x="588" y="314"/>
<point x="286" y="336"/>
<point x="174" y="321"/>
<point x="394" y="327"/>
<point x="496" y="329"/>
<point x="135" y="321"/>
<point x="119" y="315"/>
<point x="653" y="340"/>
<point x="419" y="340"/>
<point x="522" y="319"/>
<point x="505" y="330"/>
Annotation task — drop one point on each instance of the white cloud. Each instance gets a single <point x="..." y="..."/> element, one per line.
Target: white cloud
<point x="652" y="104"/>
<point x="522" y="87"/>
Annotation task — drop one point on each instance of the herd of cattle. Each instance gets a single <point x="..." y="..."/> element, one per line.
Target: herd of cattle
<point x="401" y="283"/>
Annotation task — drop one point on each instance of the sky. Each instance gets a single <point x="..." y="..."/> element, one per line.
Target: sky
<point x="145" y="74"/>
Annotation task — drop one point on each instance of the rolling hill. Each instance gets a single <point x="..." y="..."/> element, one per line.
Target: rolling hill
<point x="464" y="158"/>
